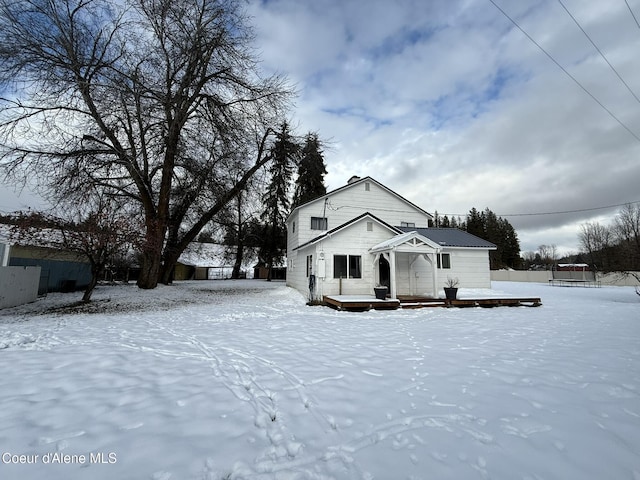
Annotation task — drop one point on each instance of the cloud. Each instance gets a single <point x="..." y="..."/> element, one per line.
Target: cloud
<point x="451" y="105"/>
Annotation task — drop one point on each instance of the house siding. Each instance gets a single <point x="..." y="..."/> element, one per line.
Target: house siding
<point x="343" y="205"/>
<point x="355" y="240"/>
<point x="470" y="267"/>
<point x="347" y="208"/>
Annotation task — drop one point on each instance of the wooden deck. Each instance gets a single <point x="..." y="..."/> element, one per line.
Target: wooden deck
<point x="362" y="303"/>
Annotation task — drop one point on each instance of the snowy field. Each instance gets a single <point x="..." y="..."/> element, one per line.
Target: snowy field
<point x="241" y="380"/>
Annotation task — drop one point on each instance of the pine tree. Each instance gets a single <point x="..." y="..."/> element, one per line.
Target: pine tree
<point x="284" y="154"/>
<point x="498" y="231"/>
<point x="311" y="171"/>
<point x="475" y="223"/>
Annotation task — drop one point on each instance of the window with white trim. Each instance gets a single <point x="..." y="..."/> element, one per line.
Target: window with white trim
<point x="444" y="260"/>
<point x="318" y="223"/>
<point x="347" y="266"/>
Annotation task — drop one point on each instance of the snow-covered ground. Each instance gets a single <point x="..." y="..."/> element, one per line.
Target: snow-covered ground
<point x="241" y="380"/>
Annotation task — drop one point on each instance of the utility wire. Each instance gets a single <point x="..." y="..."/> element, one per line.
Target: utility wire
<point x="550" y="213"/>
<point x="632" y="14"/>
<point x="611" y="114"/>
<point x="599" y="51"/>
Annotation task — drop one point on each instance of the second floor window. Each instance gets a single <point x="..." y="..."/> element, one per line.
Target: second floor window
<point x="318" y="223"/>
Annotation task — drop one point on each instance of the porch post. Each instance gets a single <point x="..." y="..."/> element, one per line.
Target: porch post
<point x="392" y="268"/>
<point x="435" y="274"/>
<point x="376" y="270"/>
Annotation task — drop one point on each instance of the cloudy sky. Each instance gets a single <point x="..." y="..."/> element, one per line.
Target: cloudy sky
<point x="452" y="105"/>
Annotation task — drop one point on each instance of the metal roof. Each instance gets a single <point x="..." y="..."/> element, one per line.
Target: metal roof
<point x="451" y="237"/>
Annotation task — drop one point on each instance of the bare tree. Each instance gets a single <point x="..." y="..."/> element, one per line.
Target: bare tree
<point x="97" y="229"/>
<point x="627" y="232"/>
<point x="548" y="255"/>
<point x="596" y="240"/>
<point x="159" y="102"/>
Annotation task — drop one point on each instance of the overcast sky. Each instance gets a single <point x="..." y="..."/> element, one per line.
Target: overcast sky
<point x="451" y="105"/>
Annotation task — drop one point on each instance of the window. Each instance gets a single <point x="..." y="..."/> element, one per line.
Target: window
<point x="339" y="266"/>
<point x="309" y="265"/>
<point x="347" y="266"/>
<point x="318" y="223"/>
<point x="407" y="224"/>
<point x="444" y="260"/>
<point x="355" y="270"/>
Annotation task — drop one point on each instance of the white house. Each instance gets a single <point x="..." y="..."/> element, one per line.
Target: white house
<point x="364" y="234"/>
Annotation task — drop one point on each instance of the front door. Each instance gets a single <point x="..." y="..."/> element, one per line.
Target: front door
<point x="384" y="272"/>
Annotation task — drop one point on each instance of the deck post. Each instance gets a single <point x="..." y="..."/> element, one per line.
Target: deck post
<point x="392" y="267"/>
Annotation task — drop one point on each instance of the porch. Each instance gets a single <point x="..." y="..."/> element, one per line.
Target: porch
<point x="362" y="303"/>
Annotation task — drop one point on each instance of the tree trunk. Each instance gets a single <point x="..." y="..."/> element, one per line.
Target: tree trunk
<point x="170" y="258"/>
<point x="237" y="266"/>
<point x="150" y="271"/>
<point x="88" y="291"/>
<point x="151" y="254"/>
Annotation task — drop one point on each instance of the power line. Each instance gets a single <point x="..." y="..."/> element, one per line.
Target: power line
<point x="599" y="51"/>
<point x="632" y="14"/>
<point x="611" y="114"/>
<point x="552" y="213"/>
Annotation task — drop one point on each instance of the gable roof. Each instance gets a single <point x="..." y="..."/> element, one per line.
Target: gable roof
<point x="411" y="239"/>
<point x="358" y="182"/>
<point x="328" y="233"/>
<point x="451" y="237"/>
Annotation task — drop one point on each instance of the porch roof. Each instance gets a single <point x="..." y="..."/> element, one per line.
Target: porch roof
<point x="451" y="237"/>
<point x="407" y="242"/>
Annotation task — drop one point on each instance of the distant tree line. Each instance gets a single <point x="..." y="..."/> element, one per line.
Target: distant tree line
<point x="488" y="226"/>
<point x="614" y="247"/>
<point x="544" y="258"/>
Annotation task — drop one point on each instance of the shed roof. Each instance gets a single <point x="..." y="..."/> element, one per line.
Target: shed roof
<point x="451" y="237"/>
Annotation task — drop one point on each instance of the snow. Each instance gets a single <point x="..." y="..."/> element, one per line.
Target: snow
<point x="242" y="380"/>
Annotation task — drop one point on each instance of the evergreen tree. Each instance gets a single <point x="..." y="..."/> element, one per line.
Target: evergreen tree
<point x="284" y="154"/>
<point x="488" y="226"/>
<point x="311" y="171"/>
<point x="475" y="223"/>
